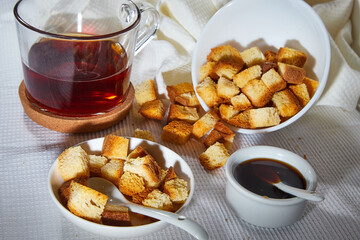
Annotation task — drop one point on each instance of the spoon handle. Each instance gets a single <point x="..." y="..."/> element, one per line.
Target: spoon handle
<point x="301" y="193"/>
<point x="180" y="221"/>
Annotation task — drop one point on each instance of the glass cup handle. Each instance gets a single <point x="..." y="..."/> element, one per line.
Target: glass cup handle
<point x="150" y="21"/>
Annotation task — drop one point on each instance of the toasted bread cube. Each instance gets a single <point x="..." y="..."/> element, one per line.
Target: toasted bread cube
<point x="227" y="111"/>
<point x="145" y="91"/>
<point x="153" y="109"/>
<point x="252" y="56"/>
<point x="207" y="70"/>
<point x="221" y="134"/>
<point x="73" y="163"/>
<point x="159" y="200"/>
<point x="205" y="124"/>
<point x="86" y="202"/>
<point x="177" y="132"/>
<point x="266" y="66"/>
<point x="286" y="102"/>
<point x="113" y="170"/>
<point x="264" y="117"/>
<point x="270" y="56"/>
<point x="311" y="85"/>
<point x="64" y="190"/>
<point x="96" y="163"/>
<point x="207" y="91"/>
<point x="291" y="73"/>
<point x="241" y="102"/>
<point x="178" y="89"/>
<point x="301" y="92"/>
<point x="144" y="134"/>
<point x="273" y="80"/>
<point x="139" y="197"/>
<point x="145" y="167"/>
<point x="139" y="151"/>
<point x="227" y="68"/>
<point x="225" y="53"/>
<point x="177" y="190"/>
<point x="291" y="56"/>
<point x="187" y="114"/>
<point x="188" y="99"/>
<point x="241" y="120"/>
<point x="170" y="174"/>
<point x="226" y="88"/>
<point x="214" y="157"/>
<point x="131" y="184"/>
<point x="257" y="92"/>
<point x="243" y="77"/>
<point x="115" y="215"/>
<point x="115" y="147"/>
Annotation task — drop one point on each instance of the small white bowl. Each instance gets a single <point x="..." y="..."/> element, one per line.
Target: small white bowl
<point x="256" y="209"/>
<point x="268" y="25"/>
<point x="165" y="158"/>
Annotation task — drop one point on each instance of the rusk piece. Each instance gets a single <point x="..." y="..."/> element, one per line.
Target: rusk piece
<point x="270" y="56"/>
<point x="226" y="88"/>
<point x="286" y="102"/>
<point x="252" y="56"/>
<point x="64" y="190"/>
<point x="131" y="184"/>
<point x="159" y="200"/>
<point x="291" y="56"/>
<point x="301" y="92"/>
<point x="139" y="151"/>
<point x="188" y="99"/>
<point x="115" y="147"/>
<point x="113" y="170"/>
<point x="205" y="124"/>
<point x="227" y="111"/>
<point x="86" y="202"/>
<point x="139" y="197"/>
<point x="291" y="74"/>
<point x="257" y="92"/>
<point x="225" y="53"/>
<point x="311" y="85"/>
<point x="153" y="109"/>
<point x="176" y="189"/>
<point x="207" y="70"/>
<point x="178" y="89"/>
<point x="145" y="91"/>
<point x="221" y="134"/>
<point x="227" y="68"/>
<point x="241" y="102"/>
<point x="243" y="77"/>
<point x="273" y="80"/>
<point x="177" y="132"/>
<point x="241" y="120"/>
<point x="73" y="163"/>
<point x="115" y="215"/>
<point x="96" y="163"/>
<point x="179" y="112"/>
<point x="207" y="91"/>
<point x="214" y="157"/>
<point x="264" y="117"/>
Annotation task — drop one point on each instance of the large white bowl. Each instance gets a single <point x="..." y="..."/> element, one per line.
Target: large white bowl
<point x="163" y="155"/>
<point x="256" y="209"/>
<point x="268" y="25"/>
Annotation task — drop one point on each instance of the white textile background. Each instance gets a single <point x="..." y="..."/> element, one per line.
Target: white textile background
<point x="328" y="136"/>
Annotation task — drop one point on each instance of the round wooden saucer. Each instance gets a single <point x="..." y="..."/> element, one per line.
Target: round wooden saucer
<point x="76" y="124"/>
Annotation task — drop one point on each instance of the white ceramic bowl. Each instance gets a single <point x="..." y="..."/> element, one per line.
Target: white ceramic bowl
<point x="164" y="156"/>
<point x="256" y="209"/>
<point x="268" y="25"/>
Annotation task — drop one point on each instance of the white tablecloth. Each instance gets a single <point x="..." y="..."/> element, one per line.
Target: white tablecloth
<point x="328" y="136"/>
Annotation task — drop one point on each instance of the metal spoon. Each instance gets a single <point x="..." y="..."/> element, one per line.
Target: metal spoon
<point x="269" y="175"/>
<point x="115" y="196"/>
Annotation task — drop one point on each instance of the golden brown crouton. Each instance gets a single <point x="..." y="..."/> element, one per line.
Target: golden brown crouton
<point x="131" y="184"/>
<point x="139" y="197"/>
<point x="266" y="66"/>
<point x="227" y="111"/>
<point x="241" y="120"/>
<point x="113" y="170"/>
<point x="205" y="124"/>
<point x="226" y="88"/>
<point x="177" y="132"/>
<point x="115" y="215"/>
<point x="263" y="117"/>
<point x="115" y="147"/>
<point x="177" y="190"/>
<point x="291" y="56"/>
<point x="207" y="70"/>
<point x="241" y="102"/>
<point x="187" y="114"/>
<point x="153" y="109"/>
<point x="178" y="89"/>
<point x="86" y="202"/>
<point x="273" y="80"/>
<point x="252" y="56"/>
<point x="214" y="157"/>
<point x="207" y="91"/>
<point x="144" y="134"/>
<point x="159" y="200"/>
<point x="223" y="53"/>
<point x="291" y="73"/>
<point x="311" y="85"/>
<point x="257" y="92"/>
<point x="139" y="151"/>
<point x="188" y="99"/>
<point x="286" y="102"/>
<point x="221" y="134"/>
<point x="301" y="92"/>
<point x="96" y="163"/>
<point x="145" y="91"/>
<point x="227" y="68"/>
<point x="270" y="56"/>
<point x="64" y="190"/>
<point x="73" y="163"/>
<point x="243" y="77"/>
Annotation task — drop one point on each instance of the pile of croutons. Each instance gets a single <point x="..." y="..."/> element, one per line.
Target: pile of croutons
<point x="255" y="90"/>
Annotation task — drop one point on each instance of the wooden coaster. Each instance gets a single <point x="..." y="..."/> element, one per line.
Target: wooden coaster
<point x="76" y="124"/>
